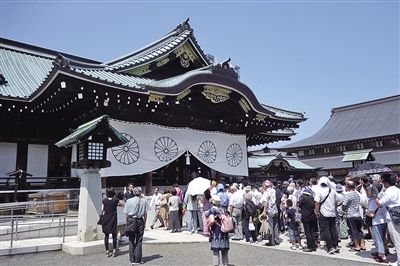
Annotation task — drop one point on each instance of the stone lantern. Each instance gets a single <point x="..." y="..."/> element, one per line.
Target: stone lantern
<point x="91" y="141"/>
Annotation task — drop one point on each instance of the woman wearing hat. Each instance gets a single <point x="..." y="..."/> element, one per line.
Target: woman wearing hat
<point x="218" y="239"/>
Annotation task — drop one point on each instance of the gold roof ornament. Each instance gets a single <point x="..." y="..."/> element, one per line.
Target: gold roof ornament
<point x="156" y="98"/>
<point x="245" y="106"/>
<point x="216" y="94"/>
<point x="183" y="94"/>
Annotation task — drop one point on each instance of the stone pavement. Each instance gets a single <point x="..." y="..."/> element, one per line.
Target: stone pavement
<point x="162" y="236"/>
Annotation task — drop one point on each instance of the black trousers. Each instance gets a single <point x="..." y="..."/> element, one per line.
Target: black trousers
<point x="114" y="238"/>
<point x="310" y="229"/>
<point x="247" y="232"/>
<point x="328" y="231"/>
<point x="135" y="241"/>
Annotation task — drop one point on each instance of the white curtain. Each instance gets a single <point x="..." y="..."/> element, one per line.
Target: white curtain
<point x="38" y="160"/>
<point x="8" y="158"/>
<point x="151" y="147"/>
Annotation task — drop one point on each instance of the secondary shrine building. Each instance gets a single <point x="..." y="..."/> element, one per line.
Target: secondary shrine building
<point x="354" y="134"/>
<point x="183" y="114"/>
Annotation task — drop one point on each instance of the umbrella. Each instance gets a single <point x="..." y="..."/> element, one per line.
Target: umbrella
<point x="369" y="169"/>
<point x="198" y="185"/>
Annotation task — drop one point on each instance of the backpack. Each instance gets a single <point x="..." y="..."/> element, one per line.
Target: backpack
<point x="227" y="223"/>
<point x="394" y="213"/>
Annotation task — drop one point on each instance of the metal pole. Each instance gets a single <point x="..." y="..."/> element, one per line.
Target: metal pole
<point x="16" y="229"/>
<point x="59" y="227"/>
<point x="52" y="213"/>
<point x="12" y="228"/>
<point x="64" y="231"/>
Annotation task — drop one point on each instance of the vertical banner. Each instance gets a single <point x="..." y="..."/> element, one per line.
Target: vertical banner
<point x="153" y="146"/>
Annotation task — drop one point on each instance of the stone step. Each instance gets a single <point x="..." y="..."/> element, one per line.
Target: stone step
<point x="38" y="229"/>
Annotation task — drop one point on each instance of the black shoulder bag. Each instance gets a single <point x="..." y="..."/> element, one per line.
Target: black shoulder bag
<point x="131" y="223"/>
<point x="325" y="197"/>
<point x="101" y="218"/>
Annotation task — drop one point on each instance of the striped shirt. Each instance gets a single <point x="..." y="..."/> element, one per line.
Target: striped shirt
<point x="351" y="204"/>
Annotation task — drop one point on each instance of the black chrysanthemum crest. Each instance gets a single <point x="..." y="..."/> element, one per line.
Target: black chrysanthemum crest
<point x="234" y="155"/>
<point x="165" y="149"/>
<point x="207" y="152"/>
<point x="127" y="153"/>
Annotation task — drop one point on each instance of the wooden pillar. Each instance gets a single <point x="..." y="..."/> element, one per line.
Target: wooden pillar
<point x="148" y="181"/>
<point x="218" y="176"/>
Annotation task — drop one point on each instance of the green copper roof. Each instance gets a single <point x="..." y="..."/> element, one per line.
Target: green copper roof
<point x="267" y="159"/>
<point x="24" y="73"/>
<point x="360" y="155"/>
<point x="115" y="78"/>
<point x="91" y="127"/>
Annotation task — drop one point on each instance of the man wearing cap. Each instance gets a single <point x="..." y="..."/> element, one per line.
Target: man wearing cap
<point x="136" y="212"/>
<point x="326" y="200"/>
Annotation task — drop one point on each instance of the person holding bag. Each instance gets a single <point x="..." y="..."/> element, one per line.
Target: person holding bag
<point x="391" y="200"/>
<point x="109" y="221"/>
<point x="218" y="239"/>
<point x="136" y="214"/>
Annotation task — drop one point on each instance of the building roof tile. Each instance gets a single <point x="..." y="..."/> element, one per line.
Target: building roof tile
<point x="24" y="73"/>
<point x="390" y="157"/>
<point x="266" y="159"/>
<point x="365" y="120"/>
<point x="157" y="49"/>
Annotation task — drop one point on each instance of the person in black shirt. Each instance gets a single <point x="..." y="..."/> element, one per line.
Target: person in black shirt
<point x="309" y="219"/>
<point x="129" y="193"/>
<point x="109" y="226"/>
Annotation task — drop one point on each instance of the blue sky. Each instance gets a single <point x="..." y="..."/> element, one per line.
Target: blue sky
<point x="305" y="56"/>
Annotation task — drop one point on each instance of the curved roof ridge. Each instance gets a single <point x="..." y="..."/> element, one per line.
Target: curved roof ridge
<point x="41" y="51"/>
<point x="27" y="52"/>
<point x="282" y="112"/>
<point x="222" y="75"/>
<point x="63" y="61"/>
<point x="115" y="61"/>
<point x="159" y="48"/>
<point x="365" y="104"/>
<point x="180" y="29"/>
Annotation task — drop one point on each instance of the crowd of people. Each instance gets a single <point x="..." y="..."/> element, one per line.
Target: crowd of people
<point x="317" y="213"/>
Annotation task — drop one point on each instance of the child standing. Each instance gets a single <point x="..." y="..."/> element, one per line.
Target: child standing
<point x="293" y="225"/>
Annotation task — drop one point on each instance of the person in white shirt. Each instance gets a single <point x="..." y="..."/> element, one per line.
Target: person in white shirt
<point x="391" y="198"/>
<point x="314" y="185"/>
<point x="155" y="201"/>
<point x="268" y="200"/>
<point x="256" y="195"/>
<point x="235" y="208"/>
<point x="379" y="224"/>
<point x="326" y="200"/>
